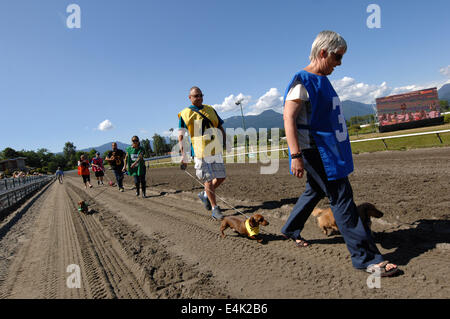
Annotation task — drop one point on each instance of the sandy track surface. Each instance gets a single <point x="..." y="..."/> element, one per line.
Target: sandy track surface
<point x="167" y="246"/>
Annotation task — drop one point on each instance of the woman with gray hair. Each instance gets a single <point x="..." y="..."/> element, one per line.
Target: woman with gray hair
<point x="318" y="142"/>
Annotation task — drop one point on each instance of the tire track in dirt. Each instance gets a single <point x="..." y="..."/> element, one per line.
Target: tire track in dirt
<point x="34" y="272"/>
<point x="57" y="237"/>
<point x="121" y="282"/>
<point x="280" y="272"/>
<point x="324" y="269"/>
<point x="165" y="275"/>
<point x="15" y="235"/>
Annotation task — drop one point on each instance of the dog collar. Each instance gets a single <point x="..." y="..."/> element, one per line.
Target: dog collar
<point x="252" y="231"/>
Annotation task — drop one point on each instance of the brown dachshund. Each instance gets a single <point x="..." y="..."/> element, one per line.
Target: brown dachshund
<point x="83" y="207"/>
<point x="247" y="227"/>
<point x="326" y="221"/>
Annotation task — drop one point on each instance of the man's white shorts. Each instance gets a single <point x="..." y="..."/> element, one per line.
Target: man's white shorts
<point x="209" y="168"/>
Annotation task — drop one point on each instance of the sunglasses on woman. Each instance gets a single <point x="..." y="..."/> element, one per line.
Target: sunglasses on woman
<point x="337" y="56"/>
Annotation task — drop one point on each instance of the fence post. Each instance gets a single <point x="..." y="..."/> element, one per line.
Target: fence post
<point x="439" y="138"/>
<point x="385" y="145"/>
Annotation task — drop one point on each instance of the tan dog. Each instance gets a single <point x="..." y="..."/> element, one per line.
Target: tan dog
<point x="247" y="227"/>
<point x="326" y="221"/>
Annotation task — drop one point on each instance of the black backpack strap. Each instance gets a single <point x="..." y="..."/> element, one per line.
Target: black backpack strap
<point x="204" y="117"/>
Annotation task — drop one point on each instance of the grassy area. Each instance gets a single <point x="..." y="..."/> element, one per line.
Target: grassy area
<point x="402" y="143"/>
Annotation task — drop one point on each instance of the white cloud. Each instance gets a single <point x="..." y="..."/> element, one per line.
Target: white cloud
<point x="271" y="100"/>
<point x="106" y="125"/>
<point x="229" y="103"/>
<point x="445" y="70"/>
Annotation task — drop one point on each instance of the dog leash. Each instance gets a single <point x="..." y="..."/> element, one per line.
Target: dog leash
<point x="216" y="194"/>
<point x="223" y="200"/>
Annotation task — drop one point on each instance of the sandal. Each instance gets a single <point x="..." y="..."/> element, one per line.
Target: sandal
<point x="381" y="269"/>
<point x="302" y="243"/>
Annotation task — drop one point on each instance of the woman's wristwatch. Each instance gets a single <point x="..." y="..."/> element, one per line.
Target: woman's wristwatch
<point x="297" y="155"/>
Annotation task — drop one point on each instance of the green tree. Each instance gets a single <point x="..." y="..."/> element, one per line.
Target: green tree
<point x="105" y="154"/>
<point x="9" y="153"/>
<point x="91" y="153"/>
<point x="32" y="159"/>
<point x="69" y="152"/>
<point x="159" y="144"/>
<point x="444" y="105"/>
<point x="147" y="147"/>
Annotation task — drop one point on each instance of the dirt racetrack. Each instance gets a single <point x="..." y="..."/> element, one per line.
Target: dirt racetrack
<point x="167" y="246"/>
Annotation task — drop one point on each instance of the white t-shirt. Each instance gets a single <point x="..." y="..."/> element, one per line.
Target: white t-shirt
<point x="299" y="92"/>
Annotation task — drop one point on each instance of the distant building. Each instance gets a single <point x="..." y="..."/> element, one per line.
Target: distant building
<point x="13" y="164"/>
<point x="409" y="110"/>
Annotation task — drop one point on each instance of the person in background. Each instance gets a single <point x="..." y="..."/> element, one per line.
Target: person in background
<point x="97" y="167"/>
<point x="116" y="159"/>
<point x="83" y="170"/>
<point x="59" y="174"/>
<point x="135" y="165"/>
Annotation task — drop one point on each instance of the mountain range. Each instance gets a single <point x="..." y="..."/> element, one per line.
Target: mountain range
<point x="271" y="119"/>
<point x="444" y="92"/>
<point x="106" y="147"/>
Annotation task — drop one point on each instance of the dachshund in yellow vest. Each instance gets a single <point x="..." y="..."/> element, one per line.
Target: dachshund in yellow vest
<point x="248" y="227"/>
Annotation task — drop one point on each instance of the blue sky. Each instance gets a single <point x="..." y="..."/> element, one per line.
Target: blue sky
<point x="132" y="62"/>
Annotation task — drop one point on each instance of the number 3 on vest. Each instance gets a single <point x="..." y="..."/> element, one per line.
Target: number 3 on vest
<point x="340" y="135"/>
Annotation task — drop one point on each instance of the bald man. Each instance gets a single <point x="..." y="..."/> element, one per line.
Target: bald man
<point x="116" y="161"/>
<point x="205" y="130"/>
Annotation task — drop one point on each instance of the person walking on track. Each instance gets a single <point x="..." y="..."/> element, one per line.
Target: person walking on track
<point x="319" y="144"/>
<point x="202" y="123"/>
<point x="83" y="170"/>
<point x="59" y="175"/>
<point x="97" y="167"/>
<point x="116" y="160"/>
<point x="135" y="165"/>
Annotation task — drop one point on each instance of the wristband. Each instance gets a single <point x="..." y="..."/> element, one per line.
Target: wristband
<point x="297" y="155"/>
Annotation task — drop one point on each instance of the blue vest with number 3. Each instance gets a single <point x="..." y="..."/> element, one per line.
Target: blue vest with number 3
<point x="327" y="125"/>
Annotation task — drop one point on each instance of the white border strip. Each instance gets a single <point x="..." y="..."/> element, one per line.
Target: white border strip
<point x="395" y="136"/>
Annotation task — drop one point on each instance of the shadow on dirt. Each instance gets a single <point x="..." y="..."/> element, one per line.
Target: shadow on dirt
<point x="268" y="205"/>
<point x="422" y="236"/>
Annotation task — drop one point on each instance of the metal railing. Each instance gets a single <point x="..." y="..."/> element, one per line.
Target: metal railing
<point x="12" y="190"/>
<point x="10" y="183"/>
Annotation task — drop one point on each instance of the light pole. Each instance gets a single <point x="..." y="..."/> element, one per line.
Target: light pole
<point x="239" y="102"/>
